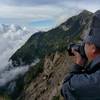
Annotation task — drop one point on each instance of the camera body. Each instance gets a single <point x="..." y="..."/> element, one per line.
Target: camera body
<point x="77" y="47"/>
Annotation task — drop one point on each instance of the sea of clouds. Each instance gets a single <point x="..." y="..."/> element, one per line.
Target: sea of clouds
<point x="12" y="37"/>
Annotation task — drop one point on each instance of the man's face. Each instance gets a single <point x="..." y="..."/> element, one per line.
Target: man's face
<point x="89" y="51"/>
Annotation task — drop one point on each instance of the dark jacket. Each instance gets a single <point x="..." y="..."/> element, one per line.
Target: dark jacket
<point x="82" y="84"/>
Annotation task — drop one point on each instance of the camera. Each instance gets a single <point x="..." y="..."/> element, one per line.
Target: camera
<point x="77" y="47"/>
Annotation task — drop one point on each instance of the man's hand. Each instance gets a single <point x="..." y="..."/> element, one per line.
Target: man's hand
<point x="78" y="58"/>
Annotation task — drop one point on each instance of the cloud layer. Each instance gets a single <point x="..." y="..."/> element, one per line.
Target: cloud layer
<point x="12" y="37"/>
<point x="30" y="2"/>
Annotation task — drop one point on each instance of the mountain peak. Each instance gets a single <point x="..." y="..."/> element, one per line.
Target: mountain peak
<point x="85" y="12"/>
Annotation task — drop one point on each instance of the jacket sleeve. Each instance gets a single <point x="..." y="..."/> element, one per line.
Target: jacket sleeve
<point x="77" y="81"/>
<point x="75" y="68"/>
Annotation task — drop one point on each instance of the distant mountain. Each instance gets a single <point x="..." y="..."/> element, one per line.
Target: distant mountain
<point x="5" y="28"/>
<point x="44" y="43"/>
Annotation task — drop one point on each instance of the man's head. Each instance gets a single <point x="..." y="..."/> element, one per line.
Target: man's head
<point x="91" y="51"/>
<point x="92" y="40"/>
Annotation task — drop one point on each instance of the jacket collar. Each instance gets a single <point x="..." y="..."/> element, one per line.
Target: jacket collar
<point x="95" y="62"/>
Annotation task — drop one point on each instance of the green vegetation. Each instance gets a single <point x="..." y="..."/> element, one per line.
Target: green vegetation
<point x="56" y="97"/>
<point x="5" y="97"/>
<point x="33" y="72"/>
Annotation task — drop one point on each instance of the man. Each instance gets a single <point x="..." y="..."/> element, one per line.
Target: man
<point x="83" y="83"/>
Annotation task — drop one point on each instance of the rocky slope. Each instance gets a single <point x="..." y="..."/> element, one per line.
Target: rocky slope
<point x="47" y="85"/>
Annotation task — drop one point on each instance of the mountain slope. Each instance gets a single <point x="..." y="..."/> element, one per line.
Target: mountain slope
<point x="50" y="48"/>
<point x="44" y="43"/>
<point x="47" y="85"/>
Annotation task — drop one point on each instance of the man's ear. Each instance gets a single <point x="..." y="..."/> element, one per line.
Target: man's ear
<point x="93" y="48"/>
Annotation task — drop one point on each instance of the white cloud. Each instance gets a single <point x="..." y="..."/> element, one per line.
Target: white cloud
<point x="58" y="12"/>
<point x="90" y="5"/>
<point x="11" y="75"/>
<point x="10" y="41"/>
<point x="34" y="12"/>
<point x="25" y="15"/>
<point x="12" y="37"/>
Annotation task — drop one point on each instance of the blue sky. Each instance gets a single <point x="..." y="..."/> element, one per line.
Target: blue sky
<point x="42" y="14"/>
